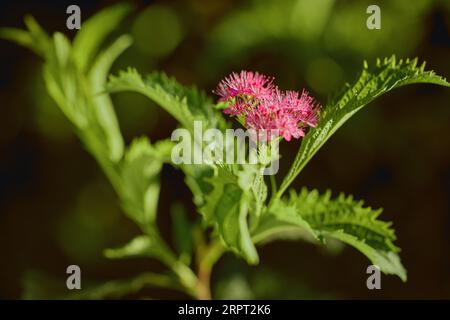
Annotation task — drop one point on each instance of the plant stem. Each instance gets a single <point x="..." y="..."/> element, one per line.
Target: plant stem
<point x="207" y="259"/>
<point x="187" y="277"/>
<point x="273" y="185"/>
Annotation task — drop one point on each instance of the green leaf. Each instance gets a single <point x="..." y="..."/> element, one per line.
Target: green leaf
<point x="62" y="49"/>
<point x="91" y="112"/>
<point x="103" y="105"/>
<point x="226" y="207"/>
<point x="259" y="194"/>
<point x="185" y="104"/>
<point x="63" y="82"/>
<point x="388" y="261"/>
<point x="342" y="218"/>
<point x="326" y="214"/>
<point x="140" y="186"/>
<point x="40" y="286"/>
<point x="387" y="75"/>
<point x="150" y="245"/>
<point x="141" y="246"/>
<point x="195" y="179"/>
<point x="252" y="182"/>
<point x="19" y="36"/>
<point x="181" y="232"/>
<point x="94" y="30"/>
<point x="116" y="289"/>
<point x="41" y="40"/>
<point x="74" y="97"/>
<point x="282" y="220"/>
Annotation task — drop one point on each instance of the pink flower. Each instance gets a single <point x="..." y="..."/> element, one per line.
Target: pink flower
<point x="287" y="112"/>
<point x="302" y="108"/>
<point x="243" y="90"/>
<point x="265" y="108"/>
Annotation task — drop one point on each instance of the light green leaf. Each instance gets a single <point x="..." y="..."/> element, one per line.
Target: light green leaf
<point x="282" y="220"/>
<point x="19" y="36"/>
<point x="149" y="245"/>
<point x="153" y="246"/>
<point x="41" y="40"/>
<point x="252" y="182"/>
<point x="259" y="194"/>
<point x="63" y="83"/>
<point x="62" y="49"/>
<point x="226" y="208"/>
<point x="91" y="112"/>
<point x="141" y="246"/>
<point x="387" y="75"/>
<point x="103" y="105"/>
<point x="94" y="30"/>
<point x="139" y="191"/>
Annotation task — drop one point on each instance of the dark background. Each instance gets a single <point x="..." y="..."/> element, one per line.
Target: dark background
<point x="57" y="209"/>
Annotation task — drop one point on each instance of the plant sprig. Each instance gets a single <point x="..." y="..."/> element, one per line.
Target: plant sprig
<point x="231" y="199"/>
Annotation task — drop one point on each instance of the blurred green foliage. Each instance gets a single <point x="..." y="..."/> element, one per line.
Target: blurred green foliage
<point x="157" y="31"/>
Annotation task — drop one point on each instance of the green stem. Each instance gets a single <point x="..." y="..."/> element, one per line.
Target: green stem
<point x="187" y="277"/>
<point x="273" y="185"/>
<point x="206" y="261"/>
<point x="282" y="189"/>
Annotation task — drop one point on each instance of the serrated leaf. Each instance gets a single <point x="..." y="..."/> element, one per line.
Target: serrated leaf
<point x="387" y="75"/>
<point x="185" y="104"/>
<point x="342" y="218"/>
<point x="343" y="213"/>
<point x="388" y="261"/>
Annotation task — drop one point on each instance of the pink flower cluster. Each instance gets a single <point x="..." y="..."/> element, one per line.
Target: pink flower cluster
<point x="264" y="107"/>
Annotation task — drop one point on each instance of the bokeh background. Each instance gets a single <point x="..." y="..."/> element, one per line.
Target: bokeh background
<point x="57" y="209"/>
